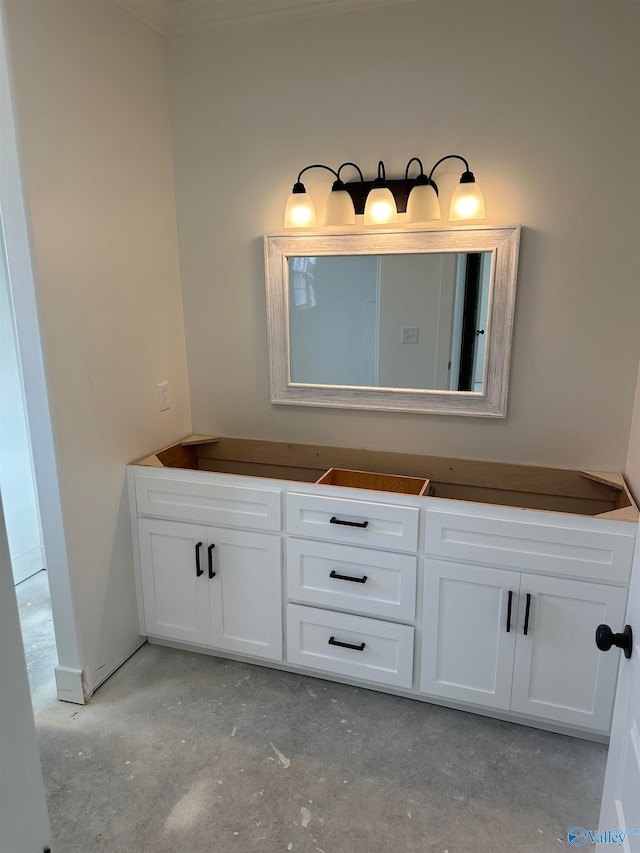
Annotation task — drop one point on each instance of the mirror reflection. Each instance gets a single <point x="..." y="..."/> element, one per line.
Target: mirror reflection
<point x="407" y="321"/>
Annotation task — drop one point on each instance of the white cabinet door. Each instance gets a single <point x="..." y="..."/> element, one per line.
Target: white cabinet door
<point x="211" y="586"/>
<point x="468" y="639"/>
<point x="175" y="592"/>
<point x="246" y="592"/>
<point x="559" y="673"/>
<point x="621" y="795"/>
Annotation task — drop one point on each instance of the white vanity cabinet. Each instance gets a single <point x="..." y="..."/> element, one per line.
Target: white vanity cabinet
<point x="523" y="641"/>
<point x="215" y="587"/>
<point x="409" y="584"/>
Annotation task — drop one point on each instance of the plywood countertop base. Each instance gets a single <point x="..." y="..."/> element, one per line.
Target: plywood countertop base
<point x="586" y="492"/>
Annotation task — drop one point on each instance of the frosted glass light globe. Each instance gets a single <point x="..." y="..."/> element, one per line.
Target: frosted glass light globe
<point x="467" y="202"/>
<point x="300" y="211"/>
<point x="340" y="209"/>
<point x="422" y="205"/>
<point x="380" y="207"/>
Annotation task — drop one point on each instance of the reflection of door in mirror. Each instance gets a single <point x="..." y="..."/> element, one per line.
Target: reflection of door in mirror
<point x="470" y="314"/>
<point x="416" y="308"/>
<point x="390" y="321"/>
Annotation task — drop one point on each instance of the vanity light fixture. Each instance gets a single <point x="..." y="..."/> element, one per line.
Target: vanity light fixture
<point x="422" y="204"/>
<point x="382" y="199"/>
<point x="467" y="201"/>
<point x="380" y="207"/>
<point x="340" y="209"/>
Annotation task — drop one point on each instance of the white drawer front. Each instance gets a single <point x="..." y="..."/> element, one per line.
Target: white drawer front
<point x="211" y="503"/>
<point x="357" y="522"/>
<point x="382" y="653"/>
<point x="582" y="553"/>
<point x="374" y="583"/>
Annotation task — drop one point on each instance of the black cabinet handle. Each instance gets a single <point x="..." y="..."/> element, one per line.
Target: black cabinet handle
<point x="334" y="574"/>
<point x="334" y="520"/>
<point x="526" y="615"/>
<point x="212" y="574"/>
<point x="199" y="571"/>
<point x="334" y="642"/>
<point x="509" y="611"/>
<point x="605" y="638"/>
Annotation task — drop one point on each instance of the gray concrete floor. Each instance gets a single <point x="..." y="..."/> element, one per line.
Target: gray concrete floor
<point x="184" y="753"/>
<point x="34" y="606"/>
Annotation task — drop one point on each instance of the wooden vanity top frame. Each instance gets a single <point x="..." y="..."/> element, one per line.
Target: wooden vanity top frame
<point x="589" y="493"/>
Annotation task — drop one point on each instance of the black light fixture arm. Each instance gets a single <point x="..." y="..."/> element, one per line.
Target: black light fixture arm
<point x="355" y="166"/>
<point x="467" y="176"/>
<point x="298" y="187"/>
<point x="422" y="179"/>
<point x="414" y="160"/>
<point x="339" y="183"/>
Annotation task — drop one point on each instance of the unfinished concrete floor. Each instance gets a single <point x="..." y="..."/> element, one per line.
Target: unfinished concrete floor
<point x="185" y="753"/>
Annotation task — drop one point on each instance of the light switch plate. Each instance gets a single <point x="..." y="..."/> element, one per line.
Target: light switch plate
<point x="409" y="334"/>
<point x="163" y="396"/>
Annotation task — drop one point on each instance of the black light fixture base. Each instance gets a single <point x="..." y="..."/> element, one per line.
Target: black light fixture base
<point x="400" y="189"/>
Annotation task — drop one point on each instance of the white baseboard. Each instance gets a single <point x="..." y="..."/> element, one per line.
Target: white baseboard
<point x="27" y="564"/>
<point x="70" y="685"/>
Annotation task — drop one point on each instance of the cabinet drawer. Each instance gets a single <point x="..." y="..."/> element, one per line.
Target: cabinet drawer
<point x="211" y="503"/>
<point x="530" y="545"/>
<point x="374" y="583"/>
<point x="358" y="522"/>
<point x="383" y="651"/>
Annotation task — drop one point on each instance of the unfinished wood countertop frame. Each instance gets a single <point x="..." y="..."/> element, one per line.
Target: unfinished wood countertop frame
<point x="588" y="493"/>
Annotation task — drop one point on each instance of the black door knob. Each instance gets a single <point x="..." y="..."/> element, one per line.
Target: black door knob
<point x="605" y="638"/>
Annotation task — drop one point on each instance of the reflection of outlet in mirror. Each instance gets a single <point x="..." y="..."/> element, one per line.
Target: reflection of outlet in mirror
<point x="163" y="396"/>
<point x="409" y="334"/>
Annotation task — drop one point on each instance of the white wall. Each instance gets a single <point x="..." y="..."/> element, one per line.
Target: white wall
<point x="24" y="823"/>
<point x="632" y="470"/>
<point x="536" y="95"/>
<point x="92" y="107"/>
<point x="16" y="470"/>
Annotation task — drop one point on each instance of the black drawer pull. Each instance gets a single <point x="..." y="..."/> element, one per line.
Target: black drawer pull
<point x="334" y="574"/>
<point x="335" y="520"/>
<point x="509" y="611"/>
<point x="526" y="615"/>
<point x="199" y="571"/>
<point x="212" y="574"/>
<point x="334" y="642"/>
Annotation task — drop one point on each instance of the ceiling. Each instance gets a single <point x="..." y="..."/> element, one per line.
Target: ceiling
<point x="175" y="17"/>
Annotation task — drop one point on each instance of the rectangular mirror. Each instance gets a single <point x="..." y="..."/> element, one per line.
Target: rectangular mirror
<point x="416" y="321"/>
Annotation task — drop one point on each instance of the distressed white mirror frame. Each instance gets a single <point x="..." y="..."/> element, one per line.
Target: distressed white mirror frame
<point x="503" y="244"/>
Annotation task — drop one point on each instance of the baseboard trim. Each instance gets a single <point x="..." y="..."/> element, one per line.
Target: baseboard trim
<point x="91" y="689"/>
<point x="70" y="685"/>
<point x="27" y="564"/>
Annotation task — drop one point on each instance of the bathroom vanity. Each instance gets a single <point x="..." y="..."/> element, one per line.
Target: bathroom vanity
<point x="470" y="584"/>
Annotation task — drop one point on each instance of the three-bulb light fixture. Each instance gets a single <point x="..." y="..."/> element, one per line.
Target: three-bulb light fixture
<point x="382" y="199"/>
